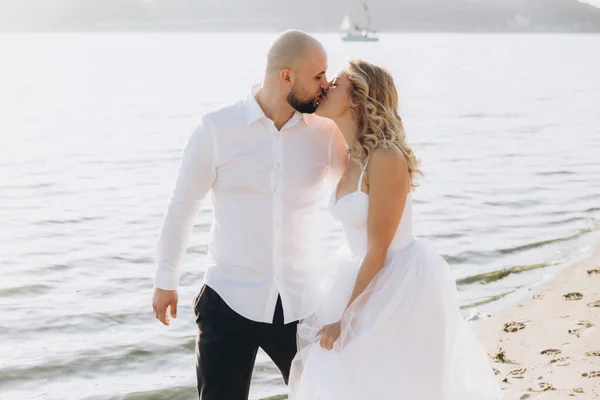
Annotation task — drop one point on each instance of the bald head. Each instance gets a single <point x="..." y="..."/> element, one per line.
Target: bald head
<point x="296" y="71"/>
<point x="291" y="48"/>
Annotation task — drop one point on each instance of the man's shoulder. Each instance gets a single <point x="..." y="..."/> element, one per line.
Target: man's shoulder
<point x="213" y="122"/>
<point x="228" y="113"/>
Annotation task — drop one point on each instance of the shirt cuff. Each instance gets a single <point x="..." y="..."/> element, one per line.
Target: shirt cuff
<point x="166" y="279"/>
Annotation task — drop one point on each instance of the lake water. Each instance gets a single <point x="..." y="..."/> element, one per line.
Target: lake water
<point x="91" y="129"/>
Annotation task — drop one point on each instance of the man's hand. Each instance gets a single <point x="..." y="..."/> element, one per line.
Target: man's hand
<point x="329" y="334"/>
<point x="161" y="299"/>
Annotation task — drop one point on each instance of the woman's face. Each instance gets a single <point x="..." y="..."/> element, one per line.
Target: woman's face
<point x="337" y="101"/>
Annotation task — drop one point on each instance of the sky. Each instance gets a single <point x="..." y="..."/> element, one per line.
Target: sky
<point x="592" y="2"/>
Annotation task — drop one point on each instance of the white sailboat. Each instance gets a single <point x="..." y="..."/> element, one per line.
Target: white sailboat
<point x="355" y="33"/>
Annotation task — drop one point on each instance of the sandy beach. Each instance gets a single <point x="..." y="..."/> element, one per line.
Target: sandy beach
<point x="547" y="345"/>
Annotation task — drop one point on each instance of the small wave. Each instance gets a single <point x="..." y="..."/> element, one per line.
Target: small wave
<point x="455" y="259"/>
<point x="67" y="221"/>
<point x="41" y="185"/>
<point x="91" y="322"/>
<point x="136" y="260"/>
<point x="565" y="221"/>
<point x="533" y="128"/>
<point x="455" y="196"/>
<point x="483" y="115"/>
<point x="203" y="225"/>
<point x="589" y="196"/>
<point x="58" y="267"/>
<point x="493" y="276"/>
<point x="131" y="283"/>
<point x="191" y="278"/>
<point x="512" y="204"/>
<point x="546" y="242"/>
<point x="552" y="173"/>
<point x="447" y="236"/>
<point x="199" y="249"/>
<point x="478" y="256"/>
<point x="174" y="393"/>
<point x="25" y="290"/>
<point x="488" y="300"/>
<point x="424" y="144"/>
<point x="102" y="360"/>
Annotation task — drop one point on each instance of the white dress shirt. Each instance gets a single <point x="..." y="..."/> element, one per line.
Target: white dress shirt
<point x="266" y="186"/>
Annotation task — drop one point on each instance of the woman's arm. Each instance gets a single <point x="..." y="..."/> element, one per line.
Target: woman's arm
<point x="388" y="182"/>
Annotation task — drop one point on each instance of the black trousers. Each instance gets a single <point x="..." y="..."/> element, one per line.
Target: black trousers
<point x="227" y="344"/>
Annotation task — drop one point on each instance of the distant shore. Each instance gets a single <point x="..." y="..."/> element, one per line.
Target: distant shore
<point x="438" y="16"/>
<point x="146" y="28"/>
<point x="547" y="346"/>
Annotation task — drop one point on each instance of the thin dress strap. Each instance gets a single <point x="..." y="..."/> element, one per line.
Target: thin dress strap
<point x="362" y="174"/>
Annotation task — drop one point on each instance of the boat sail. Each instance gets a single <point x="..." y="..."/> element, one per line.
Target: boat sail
<point x="346" y="23"/>
<point x="354" y="32"/>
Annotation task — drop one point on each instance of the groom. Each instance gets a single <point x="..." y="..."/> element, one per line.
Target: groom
<point x="264" y="159"/>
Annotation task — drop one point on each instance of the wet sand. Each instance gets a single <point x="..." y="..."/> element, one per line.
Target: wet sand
<point x="547" y="346"/>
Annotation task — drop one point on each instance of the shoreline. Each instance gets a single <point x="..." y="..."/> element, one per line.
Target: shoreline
<point x="546" y="345"/>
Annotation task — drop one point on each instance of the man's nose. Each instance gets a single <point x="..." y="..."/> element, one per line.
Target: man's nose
<point x="324" y="84"/>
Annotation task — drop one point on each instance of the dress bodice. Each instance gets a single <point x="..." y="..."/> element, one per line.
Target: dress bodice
<point x="352" y="211"/>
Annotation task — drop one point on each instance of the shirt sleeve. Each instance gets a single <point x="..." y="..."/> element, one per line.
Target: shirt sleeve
<point x="195" y="177"/>
<point x="338" y="155"/>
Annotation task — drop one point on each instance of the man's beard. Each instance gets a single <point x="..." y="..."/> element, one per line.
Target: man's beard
<point x="303" y="106"/>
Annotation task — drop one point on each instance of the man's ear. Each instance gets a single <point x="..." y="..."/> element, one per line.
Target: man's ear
<point x="287" y="77"/>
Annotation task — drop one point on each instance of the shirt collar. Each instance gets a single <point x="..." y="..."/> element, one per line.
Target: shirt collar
<point x="254" y="112"/>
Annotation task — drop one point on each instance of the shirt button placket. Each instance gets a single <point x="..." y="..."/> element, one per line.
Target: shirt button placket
<point x="277" y="209"/>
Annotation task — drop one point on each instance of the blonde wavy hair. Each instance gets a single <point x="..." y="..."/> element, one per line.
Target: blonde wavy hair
<point x="379" y="125"/>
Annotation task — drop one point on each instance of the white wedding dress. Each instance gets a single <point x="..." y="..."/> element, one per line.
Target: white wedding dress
<point x="403" y="338"/>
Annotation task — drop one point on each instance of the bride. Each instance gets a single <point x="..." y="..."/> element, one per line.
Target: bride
<point x="389" y="326"/>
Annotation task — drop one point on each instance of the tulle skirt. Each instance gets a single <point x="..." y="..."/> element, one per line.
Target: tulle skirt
<point x="403" y="338"/>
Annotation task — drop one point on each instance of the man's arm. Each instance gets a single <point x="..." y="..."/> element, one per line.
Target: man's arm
<point x="196" y="175"/>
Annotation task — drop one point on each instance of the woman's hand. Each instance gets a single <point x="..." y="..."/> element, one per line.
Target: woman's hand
<point x="329" y="334"/>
